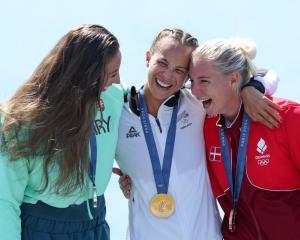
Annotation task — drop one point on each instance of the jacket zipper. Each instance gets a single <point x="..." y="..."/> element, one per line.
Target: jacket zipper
<point x="158" y="124"/>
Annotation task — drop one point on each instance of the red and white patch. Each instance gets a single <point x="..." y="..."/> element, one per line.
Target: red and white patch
<point x="215" y="154"/>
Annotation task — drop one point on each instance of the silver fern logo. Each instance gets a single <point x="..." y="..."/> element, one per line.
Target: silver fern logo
<point x="261" y="146"/>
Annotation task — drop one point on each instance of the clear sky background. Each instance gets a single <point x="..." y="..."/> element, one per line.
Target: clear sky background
<point x="29" y="29"/>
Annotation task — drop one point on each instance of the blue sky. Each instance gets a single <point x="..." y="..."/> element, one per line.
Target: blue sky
<point x="29" y="29"/>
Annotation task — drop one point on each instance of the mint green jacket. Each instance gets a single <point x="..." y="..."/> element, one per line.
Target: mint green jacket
<point x="20" y="179"/>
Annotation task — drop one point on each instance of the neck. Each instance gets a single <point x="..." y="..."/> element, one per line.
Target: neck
<point x="153" y="104"/>
<point x="233" y="111"/>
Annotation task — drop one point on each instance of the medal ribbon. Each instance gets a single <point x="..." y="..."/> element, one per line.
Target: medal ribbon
<point x="161" y="175"/>
<point x="241" y="158"/>
<point x="93" y="165"/>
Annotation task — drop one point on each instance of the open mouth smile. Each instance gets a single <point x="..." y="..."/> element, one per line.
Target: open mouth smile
<point x="206" y="102"/>
<point x="163" y="85"/>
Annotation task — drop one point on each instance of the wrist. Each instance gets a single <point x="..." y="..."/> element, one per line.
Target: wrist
<point x="256" y="84"/>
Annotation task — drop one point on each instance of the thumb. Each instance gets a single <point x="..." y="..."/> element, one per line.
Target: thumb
<point x="117" y="171"/>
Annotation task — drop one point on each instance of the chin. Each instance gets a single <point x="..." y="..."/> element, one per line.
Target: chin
<point x="211" y="112"/>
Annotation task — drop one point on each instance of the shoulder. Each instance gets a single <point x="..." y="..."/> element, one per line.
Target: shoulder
<point x="187" y="95"/>
<point x="290" y="108"/>
<point x="187" y="98"/>
<point x="113" y="98"/>
<point x="116" y="91"/>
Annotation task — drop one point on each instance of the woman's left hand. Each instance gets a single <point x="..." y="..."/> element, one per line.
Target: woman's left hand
<point x="260" y="108"/>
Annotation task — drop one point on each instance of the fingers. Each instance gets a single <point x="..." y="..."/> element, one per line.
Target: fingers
<point x="272" y="104"/>
<point x="117" y="171"/>
<point x="270" y="112"/>
<point x="265" y="114"/>
<point x="124" y="182"/>
<point x="273" y="115"/>
<point x="263" y="121"/>
<point x="263" y="110"/>
<point x="267" y="119"/>
<point x="125" y="185"/>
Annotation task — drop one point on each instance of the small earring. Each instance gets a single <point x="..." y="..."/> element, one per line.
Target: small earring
<point x="100" y="105"/>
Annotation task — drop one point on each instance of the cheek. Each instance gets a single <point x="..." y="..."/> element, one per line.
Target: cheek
<point x="196" y="94"/>
<point x="198" y="89"/>
<point x="220" y="97"/>
<point x="108" y="82"/>
<point x="180" y="79"/>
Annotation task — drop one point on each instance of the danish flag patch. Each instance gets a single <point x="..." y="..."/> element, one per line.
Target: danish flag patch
<point x="215" y="154"/>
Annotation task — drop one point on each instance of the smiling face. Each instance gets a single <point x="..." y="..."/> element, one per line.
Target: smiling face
<point x="112" y="70"/>
<point x="168" y="68"/>
<point x="215" y="90"/>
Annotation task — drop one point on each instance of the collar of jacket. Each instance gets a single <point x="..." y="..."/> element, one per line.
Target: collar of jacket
<point x="131" y="97"/>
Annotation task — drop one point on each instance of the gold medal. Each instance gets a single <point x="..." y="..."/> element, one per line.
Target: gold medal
<point x="162" y="205"/>
<point x="232" y="219"/>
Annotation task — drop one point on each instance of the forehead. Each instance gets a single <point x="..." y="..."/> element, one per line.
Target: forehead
<point x="200" y="66"/>
<point x="169" y="47"/>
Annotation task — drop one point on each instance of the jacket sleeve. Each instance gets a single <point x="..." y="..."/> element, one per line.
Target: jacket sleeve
<point x="292" y="123"/>
<point x="13" y="181"/>
<point x="270" y="81"/>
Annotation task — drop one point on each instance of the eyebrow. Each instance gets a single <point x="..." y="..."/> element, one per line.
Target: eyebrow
<point x="115" y="71"/>
<point x="186" y="69"/>
<point x="166" y="61"/>
<point x="200" y="77"/>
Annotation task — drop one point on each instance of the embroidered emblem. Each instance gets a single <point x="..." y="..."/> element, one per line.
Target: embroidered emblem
<point x="261" y="146"/>
<point x="262" y="160"/>
<point x="184" y="120"/>
<point x="215" y="154"/>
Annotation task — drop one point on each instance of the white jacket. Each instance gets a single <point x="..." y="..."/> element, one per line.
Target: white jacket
<point x="196" y="216"/>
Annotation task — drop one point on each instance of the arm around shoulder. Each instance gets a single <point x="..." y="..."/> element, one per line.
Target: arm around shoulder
<point x="269" y="80"/>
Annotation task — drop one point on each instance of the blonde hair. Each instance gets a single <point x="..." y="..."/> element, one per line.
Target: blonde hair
<point x="229" y="55"/>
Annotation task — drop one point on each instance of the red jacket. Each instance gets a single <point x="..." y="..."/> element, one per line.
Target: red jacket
<point x="269" y="204"/>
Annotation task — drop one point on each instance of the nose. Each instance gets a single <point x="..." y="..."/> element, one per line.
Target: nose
<point x="196" y="89"/>
<point x="168" y="75"/>
<point x="111" y="80"/>
<point x="116" y="79"/>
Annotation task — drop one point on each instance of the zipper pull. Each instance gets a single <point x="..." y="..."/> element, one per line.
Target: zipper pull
<point x="158" y="124"/>
<point x="95" y="197"/>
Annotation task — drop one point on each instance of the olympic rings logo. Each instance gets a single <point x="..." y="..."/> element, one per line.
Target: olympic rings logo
<point x="263" y="162"/>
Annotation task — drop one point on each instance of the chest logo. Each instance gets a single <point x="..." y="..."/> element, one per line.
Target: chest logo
<point x="132" y="133"/>
<point x="262" y="159"/>
<point x="261" y="146"/>
<point x="215" y="154"/>
<point x="184" y="120"/>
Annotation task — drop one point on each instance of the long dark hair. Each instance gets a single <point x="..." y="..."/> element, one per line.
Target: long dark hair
<point x="51" y="114"/>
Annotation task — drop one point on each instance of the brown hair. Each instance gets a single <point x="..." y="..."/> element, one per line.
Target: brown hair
<point x="51" y="114"/>
<point x="179" y="35"/>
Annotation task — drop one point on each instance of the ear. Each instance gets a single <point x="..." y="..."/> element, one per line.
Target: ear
<point x="235" y="79"/>
<point x="148" y="57"/>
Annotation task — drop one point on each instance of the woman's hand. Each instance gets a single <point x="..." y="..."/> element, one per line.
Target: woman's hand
<point x="124" y="182"/>
<point x="260" y="108"/>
